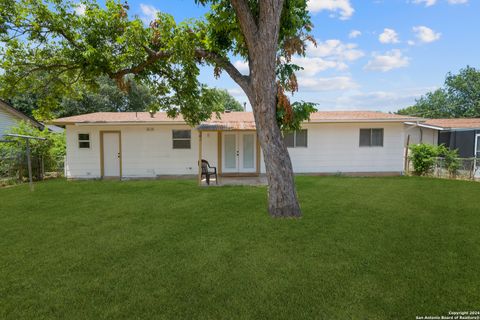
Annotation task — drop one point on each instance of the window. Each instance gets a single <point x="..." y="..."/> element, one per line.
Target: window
<point x="84" y="140"/>
<point x="371" y="137"/>
<point x="181" y="139"/>
<point x="296" y="139"/>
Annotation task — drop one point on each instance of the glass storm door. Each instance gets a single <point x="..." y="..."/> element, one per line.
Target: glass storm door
<point x="239" y="153"/>
<point x="230" y="153"/>
<point x="247" y="152"/>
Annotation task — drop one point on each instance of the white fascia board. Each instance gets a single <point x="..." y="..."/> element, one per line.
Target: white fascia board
<point x="425" y="126"/>
<point x="136" y="123"/>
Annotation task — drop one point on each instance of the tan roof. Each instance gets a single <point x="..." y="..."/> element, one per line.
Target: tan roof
<point x="233" y="120"/>
<point x="109" y="117"/>
<point x="358" y="116"/>
<point x="464" y="123"/>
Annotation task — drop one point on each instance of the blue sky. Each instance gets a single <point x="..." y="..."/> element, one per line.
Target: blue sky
<point x="371" y="54"/>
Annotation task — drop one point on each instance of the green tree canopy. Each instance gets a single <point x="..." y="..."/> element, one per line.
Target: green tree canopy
<point x="52" y="52"/>
<point x="458" y="98"/>
<point x="226" y="101"/>
<point x="48" y="37"/>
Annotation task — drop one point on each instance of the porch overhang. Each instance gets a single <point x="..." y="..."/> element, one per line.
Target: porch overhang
<point x="227" y="126"/>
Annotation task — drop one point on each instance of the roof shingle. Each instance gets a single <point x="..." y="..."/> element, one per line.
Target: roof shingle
<point x="462" y="123"/>
<point x="236" y="119"/>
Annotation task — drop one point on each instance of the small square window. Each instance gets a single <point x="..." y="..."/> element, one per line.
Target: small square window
<point x="296" y="139"/>
<point x="84" y="140"/>
<point x="371" y="137"/>
<point x="181" y="139"/>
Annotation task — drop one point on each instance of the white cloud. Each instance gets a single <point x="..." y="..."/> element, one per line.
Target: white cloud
<point x="354" y="34"/>
<point x="380" y="100"/>
<point x="388" y="36"/>
<point x="425" y="34"/>
<point x="80" y="9"/>
<point x="149" y="13"/>
<point x="342" y="7"/>
<point x="336" y="50"/>
<point x="392" y="59"/>
<point x="330" y="54"/>
<point x="242" y="66"/>
<point x="373" y="100"/>
<point x="313" y="66"/>
<point x="326" y="84"/>
<point x="428" y="3"/>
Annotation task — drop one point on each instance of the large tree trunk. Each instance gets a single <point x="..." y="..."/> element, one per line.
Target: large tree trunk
<point x="261" y="37"/>
<point x="282" y="197"/>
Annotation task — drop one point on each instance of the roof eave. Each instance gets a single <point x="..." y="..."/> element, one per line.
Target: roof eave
<point x="113" y="123"/>
<point x="358" y="120"/>
<point x="8" y="108"/>
<point x="424" y="125"/>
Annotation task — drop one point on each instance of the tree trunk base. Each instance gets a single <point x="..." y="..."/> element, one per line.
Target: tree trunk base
<point x="285" y="212"/>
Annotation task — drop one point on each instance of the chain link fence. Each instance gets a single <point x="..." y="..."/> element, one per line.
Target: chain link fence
<point x="14" y="167"/>
<point x="468" y="169"/>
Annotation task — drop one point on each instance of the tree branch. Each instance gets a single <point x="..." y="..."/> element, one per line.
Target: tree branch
<point x="242" y="80"/>
<point x="153" y="57"/>
<point x="248" y="25"/>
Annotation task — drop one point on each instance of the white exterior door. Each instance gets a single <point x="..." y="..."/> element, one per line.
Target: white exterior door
<point x="111" y="154"/>
<point x="477" y="156"/>
<point x="239" y="152"/>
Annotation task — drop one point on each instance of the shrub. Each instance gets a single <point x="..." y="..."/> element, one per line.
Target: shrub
<point x="423" y="158"/>
<point x="452" y="163"/>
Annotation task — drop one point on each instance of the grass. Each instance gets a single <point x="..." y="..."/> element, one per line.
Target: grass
<point x="366" y="248"/>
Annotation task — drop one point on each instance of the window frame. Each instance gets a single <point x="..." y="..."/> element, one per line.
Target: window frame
<point x="477" y="146"/>
<point x="79" y="141"/>
<point x="295" y="139"/>
<point x="181" y="139"/>
<point x="370" y="144"/>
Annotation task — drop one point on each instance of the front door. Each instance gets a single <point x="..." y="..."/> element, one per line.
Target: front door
<point x="239" y="152"/>
<point x="111" y="154"/>
<point x="477" y="156"/>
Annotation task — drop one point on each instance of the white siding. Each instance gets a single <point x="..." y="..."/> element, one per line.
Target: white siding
<point x="209" y="147"/>
<point x="331" y="148"/>
<point x="144" y="153"/>
<point x="421" y="135"/>
<point x="82" y="163"/>
<point x="7" y="120"/>
<point x="334" y="147"/>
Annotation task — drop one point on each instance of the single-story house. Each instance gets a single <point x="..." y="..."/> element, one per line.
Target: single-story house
<point x="142" y="145"/>
<point x="9" y="117"/>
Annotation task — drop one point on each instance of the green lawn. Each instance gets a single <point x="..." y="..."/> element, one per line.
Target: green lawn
<point x="366" y="248"/>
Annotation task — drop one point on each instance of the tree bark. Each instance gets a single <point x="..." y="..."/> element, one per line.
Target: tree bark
<point x="282" y="196"/>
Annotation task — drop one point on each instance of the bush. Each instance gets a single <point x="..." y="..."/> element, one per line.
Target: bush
<point x="452" y="163"/>
<point x="424" y="157"/>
